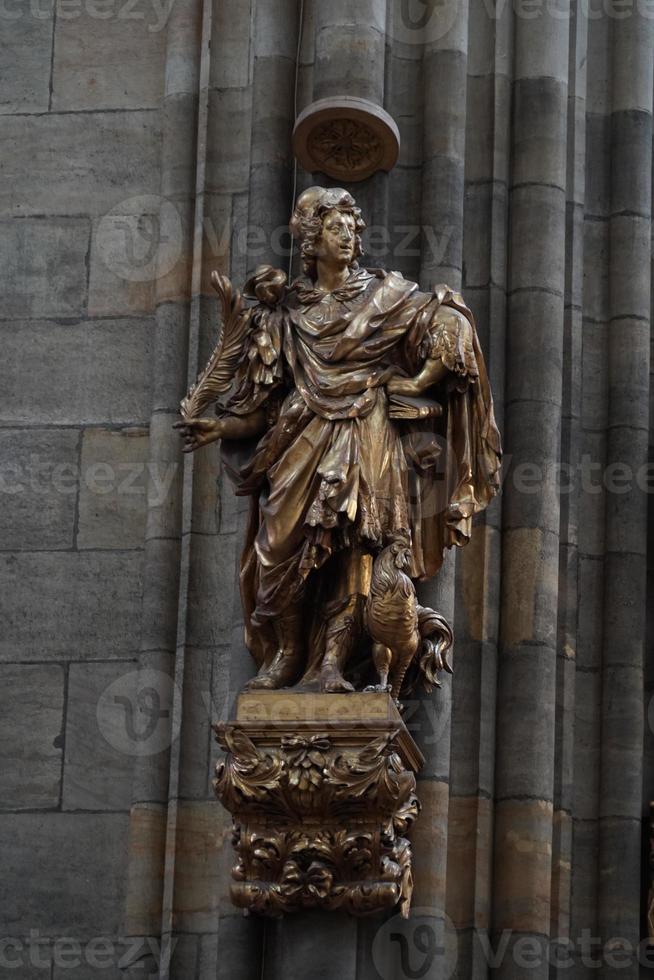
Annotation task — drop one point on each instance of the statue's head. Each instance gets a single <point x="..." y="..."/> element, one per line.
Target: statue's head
<point x="328" y="224"/>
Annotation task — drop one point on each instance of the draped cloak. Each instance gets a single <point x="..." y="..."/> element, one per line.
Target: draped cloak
<point x="335" y="476"/>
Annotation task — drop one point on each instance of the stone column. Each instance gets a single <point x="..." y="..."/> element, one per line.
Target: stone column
<point x="350" y="59"/>
<point x="620" y="807"/>
<point x="531" y="515"/>
<point x="476" y="623"/>
<point x="594" y="417"/>
<point x="562" y="849"/>
<point x="145" y="896"/>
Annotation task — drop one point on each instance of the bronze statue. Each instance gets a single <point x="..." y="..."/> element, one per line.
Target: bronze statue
<point x="360" y="424"/>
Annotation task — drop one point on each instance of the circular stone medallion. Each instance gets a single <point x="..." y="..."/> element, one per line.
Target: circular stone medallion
<point x="346" y="138"/>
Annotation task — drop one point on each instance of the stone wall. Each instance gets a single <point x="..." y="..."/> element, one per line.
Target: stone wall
<point x="145" y="144"/>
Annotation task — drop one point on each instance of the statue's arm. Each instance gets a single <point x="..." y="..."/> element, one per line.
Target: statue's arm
<point x="197" y="433"/>
<point x="433" y="371"/>
<point x="447" y="350"/>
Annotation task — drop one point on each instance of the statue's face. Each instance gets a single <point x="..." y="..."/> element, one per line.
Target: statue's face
<point x="337" y="241"/>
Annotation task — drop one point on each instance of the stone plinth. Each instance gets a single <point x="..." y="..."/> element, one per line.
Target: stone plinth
<point x="322" y="791"/>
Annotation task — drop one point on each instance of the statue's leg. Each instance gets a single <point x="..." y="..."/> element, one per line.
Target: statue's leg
<point x="381" y="657"/>
<point x="341" y="631"/>
<point x="288" y="661"/>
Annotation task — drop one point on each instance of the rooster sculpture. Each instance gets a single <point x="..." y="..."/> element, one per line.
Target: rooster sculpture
<point x="410" y="641"/>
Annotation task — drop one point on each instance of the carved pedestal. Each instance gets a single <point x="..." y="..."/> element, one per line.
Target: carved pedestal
<point x="322" y="791"/>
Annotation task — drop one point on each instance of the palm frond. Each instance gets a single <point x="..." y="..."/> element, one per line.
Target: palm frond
<point x="221" y="367"/>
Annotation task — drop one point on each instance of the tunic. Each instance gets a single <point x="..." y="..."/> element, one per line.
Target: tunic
<point x="335" y="475"/>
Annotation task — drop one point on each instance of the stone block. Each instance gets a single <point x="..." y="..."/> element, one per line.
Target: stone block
<point x="274" y="33"/>
<point x="25" y="54"/>
<point x="147" y="841"/>
<point x="473" y="717"/>
<point x="429" y="845"/>
<point x="113" y="61"/>
<point x="31" y="718"/>
<point x="200" y="831"/>
<point x="629" y="346"/>
<point x="404" y="105"/>
<point x="349" y="59"/>
<point x="591" y="599"/>
<point x="468" y="885"/>
<point x="63" y="873"/>
<point x="622" y="738"/>
<point x="632" y="76"/>
<point x="478" y="583"/>
<point x="442" y="231"/>
<point x="76" y="373"/>
<point x="231" y="63"/>
<point x="540" y="137"/>
<point x="624" y="610"/>
<point x="97" y="765"/>
<point x="228" y="140"/>
<point x="629" y="270"/>
<point x="123" y="261"/>
<point x="195" y="737"/>
<point x="214" y="501"/>
<point x="541" y="44"/>
<point x="70" y="605"/>
<point x="523" y="864"/>
<point x="444" y="131"/>
<point x="272" y="112"/>
<point x="620" y="860"/>
<point x="38" y="488"/>
<point x="594" y="393"/>
<point x="113" y="488"/>
<point x="533" y="478"/>
<point x="45" y="266"/>
<point x="110" y="159"/>
<point x="598" y="176"/>
<point x="480" y="128"/>
<point x="535" y="348"/>
<point x="525" y="725"/>
<point x="484" y="231"/>
<point x="292" y="944"/>
<point x="240" y="944"/>
<point x="341" y="13"/>
<point x="588" y="700"/>
<point x="538" y="260"/>
<point x="211" y="588"/>
<point x="169" y="365"/>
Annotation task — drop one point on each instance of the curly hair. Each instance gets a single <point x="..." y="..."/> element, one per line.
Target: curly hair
<point x="307" y="221"/>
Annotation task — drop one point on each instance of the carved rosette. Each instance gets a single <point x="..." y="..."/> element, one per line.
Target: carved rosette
<point x="318" y="823"/>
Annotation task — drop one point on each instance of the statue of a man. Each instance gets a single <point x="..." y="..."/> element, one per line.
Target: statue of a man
<point x="360" y="419"/>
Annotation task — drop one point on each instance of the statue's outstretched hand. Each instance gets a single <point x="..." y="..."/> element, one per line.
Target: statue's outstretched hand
<point x="198" y="432"/>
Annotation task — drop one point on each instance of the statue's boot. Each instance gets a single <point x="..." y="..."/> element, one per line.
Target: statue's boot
<point x="287" y="662"/>
<point x="338" y="644"/>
